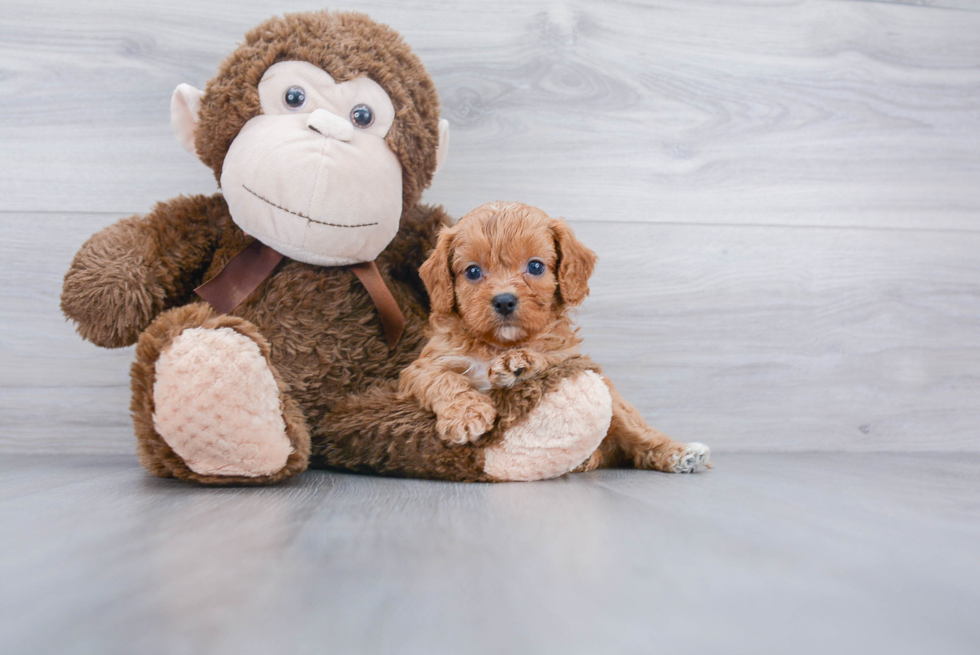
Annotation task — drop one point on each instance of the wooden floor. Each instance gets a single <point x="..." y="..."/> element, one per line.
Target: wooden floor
<point x="791" y="553"/>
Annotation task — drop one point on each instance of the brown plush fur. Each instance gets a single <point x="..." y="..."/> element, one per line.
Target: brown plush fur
<point x="376" y="432"/>
<point x="500" y="240"/>
<point x="316" y="326"/>
<point x="346" y="45"/>
<point x="128" y="273"/>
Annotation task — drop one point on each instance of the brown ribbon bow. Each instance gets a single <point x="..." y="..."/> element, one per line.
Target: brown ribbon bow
<point x="250" y="267"/>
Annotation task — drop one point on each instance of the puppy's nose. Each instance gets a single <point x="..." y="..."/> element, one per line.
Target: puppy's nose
<point x="505" y="303"/>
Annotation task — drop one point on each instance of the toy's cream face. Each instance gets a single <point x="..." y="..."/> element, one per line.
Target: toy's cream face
<point x="312" y="176"/>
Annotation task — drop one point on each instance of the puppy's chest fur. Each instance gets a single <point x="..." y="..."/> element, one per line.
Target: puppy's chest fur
<point x="478" y="373"/>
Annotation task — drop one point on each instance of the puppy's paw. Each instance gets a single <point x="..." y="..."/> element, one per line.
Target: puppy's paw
<point x="514" y="365"/>
<point x="674" y="457"/>
<point x="691" y="457"/>
<point x="465" y="418"/>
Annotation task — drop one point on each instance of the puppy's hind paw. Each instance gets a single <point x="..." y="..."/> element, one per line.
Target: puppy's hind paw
<point x="694" y="456"/>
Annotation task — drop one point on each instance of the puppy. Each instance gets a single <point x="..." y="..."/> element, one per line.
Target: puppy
<point x="502" y="283"/>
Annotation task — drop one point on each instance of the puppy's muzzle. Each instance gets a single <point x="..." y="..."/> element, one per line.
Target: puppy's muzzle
<point x="505" y="303"/>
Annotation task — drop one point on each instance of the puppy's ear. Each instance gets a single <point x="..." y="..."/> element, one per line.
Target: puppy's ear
<point x="437" y="276"/>
<point x="575" y="264"/>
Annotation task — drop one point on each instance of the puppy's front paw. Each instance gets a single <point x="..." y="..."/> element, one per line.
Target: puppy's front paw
<point x="514" y="365"/>
<point x="465" y="418"/>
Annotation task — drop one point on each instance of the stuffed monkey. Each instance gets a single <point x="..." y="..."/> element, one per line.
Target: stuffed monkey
<point x="272" y="319"/>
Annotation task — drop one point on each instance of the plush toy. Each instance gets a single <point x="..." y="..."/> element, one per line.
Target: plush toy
<point x="273" y="319"/>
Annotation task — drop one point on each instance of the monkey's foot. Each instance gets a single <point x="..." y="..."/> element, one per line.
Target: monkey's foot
<point x="560" y="433"/>
<point x="217" y="405"/>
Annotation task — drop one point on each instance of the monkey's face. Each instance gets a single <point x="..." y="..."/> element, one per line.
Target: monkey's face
<point x="312" y="176"/>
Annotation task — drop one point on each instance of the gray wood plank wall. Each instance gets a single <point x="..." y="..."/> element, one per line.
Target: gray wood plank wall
<point x="784" y="196"/>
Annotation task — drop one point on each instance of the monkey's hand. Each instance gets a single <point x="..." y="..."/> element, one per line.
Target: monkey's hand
<point x="132" y="270"/>
<point x="464" y="418"/>
<point x="109" y="290"/>
<point x="514" y="365"/>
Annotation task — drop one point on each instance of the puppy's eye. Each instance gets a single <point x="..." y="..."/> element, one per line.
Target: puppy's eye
<point x="534" y="267"/>
<point x="473" y="273"/>
<point x="362" y="116"/>
<point x="295" y="97"/>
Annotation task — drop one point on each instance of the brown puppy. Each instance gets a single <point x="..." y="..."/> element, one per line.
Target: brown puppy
<point x="502" y="283"/>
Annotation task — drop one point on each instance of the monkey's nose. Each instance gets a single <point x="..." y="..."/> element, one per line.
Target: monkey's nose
<point x="505" y="303"/>
<point x="330" y="125"/>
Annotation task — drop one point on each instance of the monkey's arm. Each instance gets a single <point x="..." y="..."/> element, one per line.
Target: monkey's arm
<point x="125" y="275"/>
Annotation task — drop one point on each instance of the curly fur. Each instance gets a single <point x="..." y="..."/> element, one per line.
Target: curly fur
<point x="468" y="330"/>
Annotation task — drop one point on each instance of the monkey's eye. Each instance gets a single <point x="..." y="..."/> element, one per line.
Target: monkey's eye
<point x="473" y="273"/>
<point x="295" y="97"/>
<point x="361" y="116"/>
<point x="535" y="267"/>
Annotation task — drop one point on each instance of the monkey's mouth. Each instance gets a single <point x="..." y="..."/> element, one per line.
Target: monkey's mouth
<point x="313" y="220"/>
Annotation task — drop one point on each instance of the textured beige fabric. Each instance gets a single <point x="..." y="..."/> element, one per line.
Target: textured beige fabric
<point x="558" y="435"/>
<point x="217" y="404"/>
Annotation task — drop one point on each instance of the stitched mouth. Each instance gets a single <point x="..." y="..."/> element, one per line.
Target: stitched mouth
<point x="290" y="211"/>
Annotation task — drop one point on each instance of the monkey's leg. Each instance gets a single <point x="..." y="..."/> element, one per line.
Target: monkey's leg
<point x="560" y="431"/>
<point x="376" y="432"/>
<point x="631" y="442"/>
<point x="209" y="406"/>
<point x="545" y="428"/>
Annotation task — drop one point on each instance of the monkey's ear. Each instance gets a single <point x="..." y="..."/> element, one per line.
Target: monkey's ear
<point x="575" y="264"/>
<point x="438" y="277"/>
<point x="443" y="148"/>
<point x="185" y="105"/>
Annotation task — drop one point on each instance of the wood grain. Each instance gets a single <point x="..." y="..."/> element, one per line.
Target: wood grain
<point x="767" y="554"/>
<point x="792" y="338"/>
<point x="963" y="5"/>
<point x="795" y="113"/>
<point x="784" y="195"/>
<point x="746" y="338"/>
